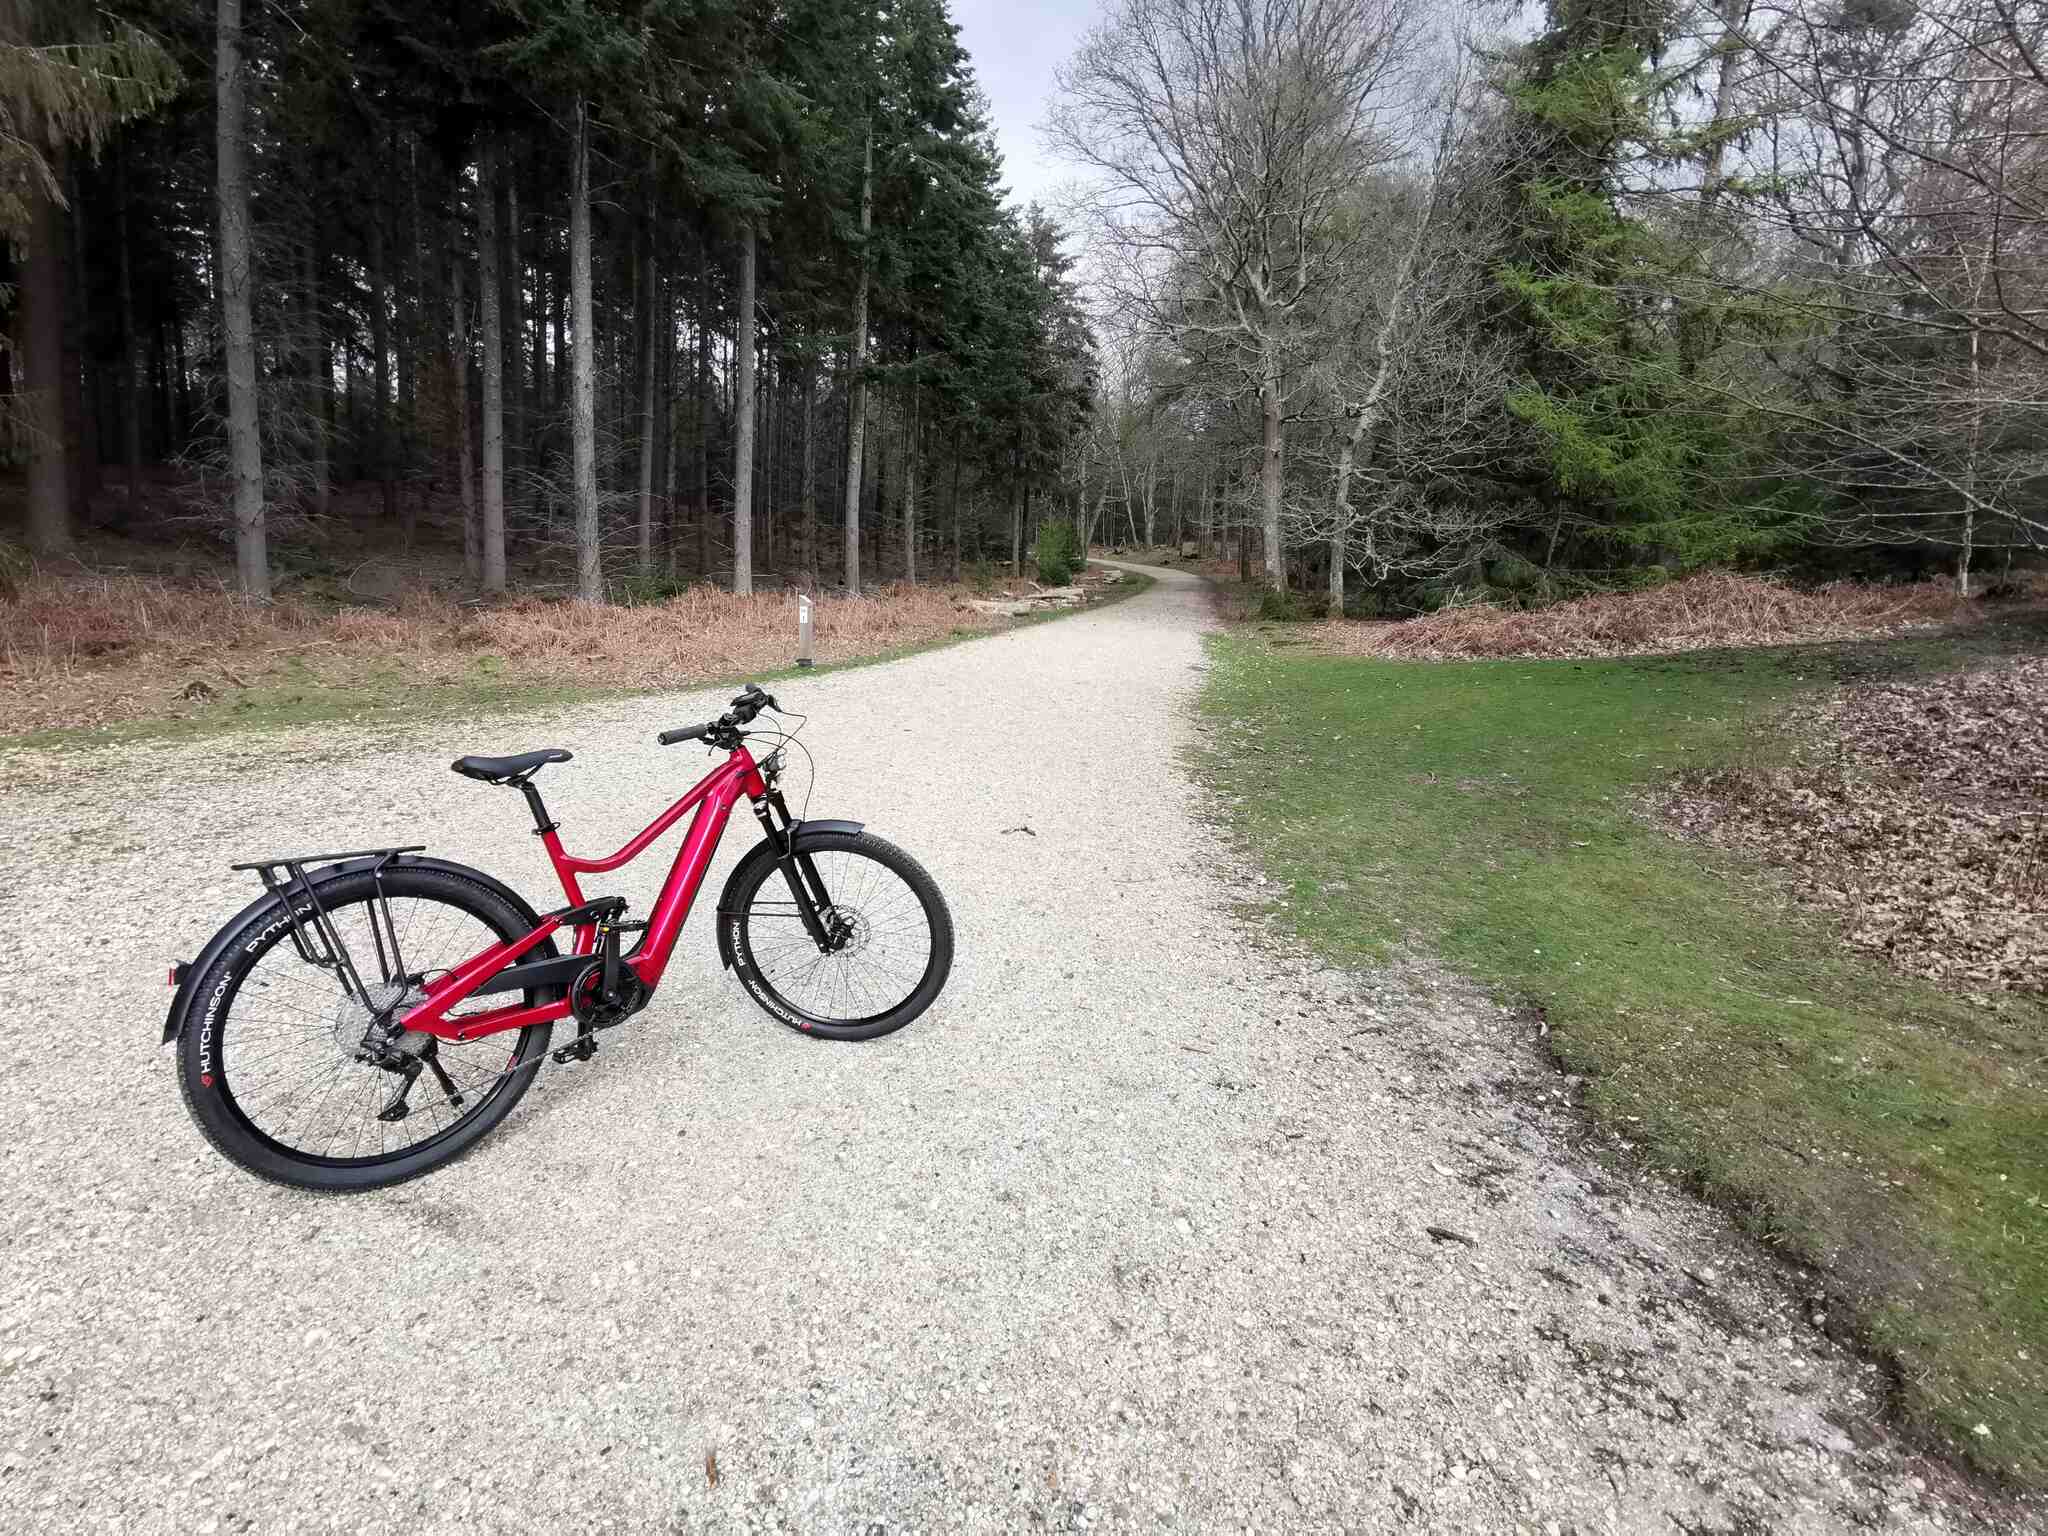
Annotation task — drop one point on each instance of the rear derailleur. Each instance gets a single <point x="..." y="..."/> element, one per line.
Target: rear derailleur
<point x="411" y="1054"/>
<point x="366" y="1029"/>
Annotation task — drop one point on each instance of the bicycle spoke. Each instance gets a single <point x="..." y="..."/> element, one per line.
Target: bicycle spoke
<point x="879" y="965"/>
<point x="286" y="1045"/>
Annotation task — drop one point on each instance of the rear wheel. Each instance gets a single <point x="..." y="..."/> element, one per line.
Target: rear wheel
<point x="276" y="1065"/>
<point x="890" y="937"/>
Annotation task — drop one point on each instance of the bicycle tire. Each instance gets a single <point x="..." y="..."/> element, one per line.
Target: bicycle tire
<point x="207" y="1074"/>
<point x="755" y="941"/>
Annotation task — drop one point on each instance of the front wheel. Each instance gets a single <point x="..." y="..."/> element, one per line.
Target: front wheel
<point x="889" y="937"/>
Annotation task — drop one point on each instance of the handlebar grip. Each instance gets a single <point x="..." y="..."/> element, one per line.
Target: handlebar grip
<point x="682" y="733"/>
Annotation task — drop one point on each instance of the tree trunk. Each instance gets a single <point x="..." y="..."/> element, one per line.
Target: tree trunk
<point x="1017" y="516"/>
<point x="880" y="428"/>
<point x="911" y="478"/>
<point x="131" y="360"/>
<point x="558" y="313"/>
<point x="743" y="425"/>
<point x="1696" y="326"/>
<point x="82" y="456"/>
<point x="159" y="394"/>
<point x="488" y="294"/>
<point x="1973" y="448"/>
<point x="954" y="497"/>
<point x="810" y="490"/>
<point x="513" y="274"/>
<point x="380" y="371"/>
<point x="458" y="368"/>
<point x="39" y="339"/>
<point x="1270" y="470"/>
<point x="1152" y="502"/>
<point x="669" y="434"/>
<point x="704" y="408"/>
<point x="317" y="402"/>
<point x="415" y="433"/>
<point x="857" y="398"/>
<point x="245" y="443"/>
<point x="583" y="367"/>
<point x="647" y="292"/>
<point x="183" y="392"/>
<point x="765" y="433"/>
<point x="535" y="403"/>
<point x="1364" y="432"/>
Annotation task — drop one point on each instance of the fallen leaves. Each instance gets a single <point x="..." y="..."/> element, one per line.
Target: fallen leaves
<point x="1714" y="608"/>
<point x="1918" y="813"/>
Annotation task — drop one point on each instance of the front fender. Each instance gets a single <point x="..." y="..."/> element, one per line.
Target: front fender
<point x="765" y="851"/>
<point x="187" y="974"/>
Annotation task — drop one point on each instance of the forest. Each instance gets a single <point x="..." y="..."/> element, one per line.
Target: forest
<point x="1421" y="304"/>
<point x="648" y="289"/>
<point x="1403" y="306"/>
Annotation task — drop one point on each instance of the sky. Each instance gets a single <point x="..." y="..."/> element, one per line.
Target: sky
<point x="1016" y="45"/>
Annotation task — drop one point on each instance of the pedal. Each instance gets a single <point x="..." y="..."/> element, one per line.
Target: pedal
<point x="582" y="1048"/>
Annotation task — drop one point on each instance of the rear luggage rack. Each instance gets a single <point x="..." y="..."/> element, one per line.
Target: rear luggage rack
<point x="313" y="932"/>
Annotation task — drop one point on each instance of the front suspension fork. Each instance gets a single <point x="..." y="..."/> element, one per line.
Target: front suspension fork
<point x="806" y="885"/>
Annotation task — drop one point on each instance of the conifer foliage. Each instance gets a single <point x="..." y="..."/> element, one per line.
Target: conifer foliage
<point x="616" y="294"/>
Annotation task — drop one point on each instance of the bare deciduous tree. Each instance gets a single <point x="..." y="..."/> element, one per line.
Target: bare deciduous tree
<point x="1906" y="146"/>
<point x="1225" y="137"/>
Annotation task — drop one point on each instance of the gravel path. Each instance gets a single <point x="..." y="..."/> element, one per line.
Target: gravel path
<point x="1127" y="1233"/>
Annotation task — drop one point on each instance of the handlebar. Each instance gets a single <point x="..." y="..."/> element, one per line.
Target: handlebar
<point x="725" y="730"/>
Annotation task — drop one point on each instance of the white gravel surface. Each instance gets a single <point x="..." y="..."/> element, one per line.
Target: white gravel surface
<point x="1127" y="1233"/>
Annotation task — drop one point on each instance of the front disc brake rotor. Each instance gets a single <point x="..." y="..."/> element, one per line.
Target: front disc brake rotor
<point x="850" y="931"/>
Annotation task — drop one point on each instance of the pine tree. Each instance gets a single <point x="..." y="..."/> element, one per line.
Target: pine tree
<point x="66" y="80"/>
<point x="237" y="279"/>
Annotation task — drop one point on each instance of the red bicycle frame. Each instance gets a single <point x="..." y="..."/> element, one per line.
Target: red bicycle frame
<point x="713" y="798"/>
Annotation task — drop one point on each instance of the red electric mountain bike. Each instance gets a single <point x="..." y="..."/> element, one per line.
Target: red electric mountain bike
<point x="374" y="1014"/>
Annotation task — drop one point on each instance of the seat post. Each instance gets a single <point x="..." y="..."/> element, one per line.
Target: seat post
<point x="541" y="825"/>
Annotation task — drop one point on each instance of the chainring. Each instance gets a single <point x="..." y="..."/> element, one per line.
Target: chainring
<point x="592" y="1009"/>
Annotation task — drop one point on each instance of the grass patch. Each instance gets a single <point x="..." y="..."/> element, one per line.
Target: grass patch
<point x="1893" y="1135"/>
